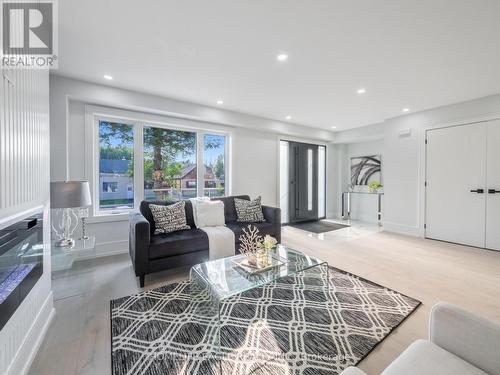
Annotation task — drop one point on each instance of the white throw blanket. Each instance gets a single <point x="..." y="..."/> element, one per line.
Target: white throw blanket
<point x="220" y="242"/>
<point x="220" y="238"/>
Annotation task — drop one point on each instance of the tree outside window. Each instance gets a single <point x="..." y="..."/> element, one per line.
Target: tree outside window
<point x="214" y="163"/>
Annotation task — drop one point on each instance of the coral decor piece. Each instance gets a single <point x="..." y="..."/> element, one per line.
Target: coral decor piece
<point x="251" y="242"/>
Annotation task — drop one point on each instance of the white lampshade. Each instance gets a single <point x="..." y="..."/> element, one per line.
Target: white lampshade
<point x="69" y="194"/>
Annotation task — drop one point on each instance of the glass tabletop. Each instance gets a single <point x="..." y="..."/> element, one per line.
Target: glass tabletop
<point x="227" y="279"/>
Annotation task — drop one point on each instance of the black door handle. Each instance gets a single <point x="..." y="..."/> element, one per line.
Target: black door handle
<point x="493" y="191"/>
<point x="479" y="191"/>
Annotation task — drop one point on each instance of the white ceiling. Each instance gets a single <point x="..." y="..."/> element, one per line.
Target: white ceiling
<point x="406" y="53"/>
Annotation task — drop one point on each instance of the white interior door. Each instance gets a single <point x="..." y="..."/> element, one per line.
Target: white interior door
<point x="493" y="186"/>
<point x="456" y="171"/>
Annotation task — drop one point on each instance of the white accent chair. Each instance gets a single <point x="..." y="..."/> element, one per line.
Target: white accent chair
<point x="460" y="343"/>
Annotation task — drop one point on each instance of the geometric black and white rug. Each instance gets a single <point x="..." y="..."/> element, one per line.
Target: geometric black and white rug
<point x="287" y="327"/>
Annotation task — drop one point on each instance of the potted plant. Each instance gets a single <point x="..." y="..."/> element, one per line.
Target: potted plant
<point x="374" y="186"/>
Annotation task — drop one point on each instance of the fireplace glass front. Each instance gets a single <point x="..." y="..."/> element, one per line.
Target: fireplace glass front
<point x="21" y="263"/>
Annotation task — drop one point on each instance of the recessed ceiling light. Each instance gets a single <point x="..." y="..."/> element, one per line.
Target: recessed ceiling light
<point x="108" y="77"/>
<point x="288" y="117"/>
<point x="220" y="102"/>
<point x="406" y="110"/>
<point x="334" y="127"/>
<point x="361" y="91"/>
<point x="282" y="57"/>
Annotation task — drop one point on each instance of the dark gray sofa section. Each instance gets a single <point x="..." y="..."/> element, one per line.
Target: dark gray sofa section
<point x="152" y="253"/>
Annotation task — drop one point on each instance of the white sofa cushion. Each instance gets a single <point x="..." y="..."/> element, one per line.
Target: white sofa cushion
<point x="424" y="357"/>
<point x="210" y="214"/>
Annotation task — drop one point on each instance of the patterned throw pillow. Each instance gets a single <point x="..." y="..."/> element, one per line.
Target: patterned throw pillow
<point x="169" y="218"/>
<point x="249" y="211"/>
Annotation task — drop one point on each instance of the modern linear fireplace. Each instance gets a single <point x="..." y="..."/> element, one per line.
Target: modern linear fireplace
<point x="21" y="263"/>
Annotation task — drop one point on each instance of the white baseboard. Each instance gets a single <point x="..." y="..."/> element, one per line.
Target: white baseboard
<point x="365" y="218"/>
<point x="36" y="334"/>
<point x="401" y="229"/>
<point x="106" y="249"/>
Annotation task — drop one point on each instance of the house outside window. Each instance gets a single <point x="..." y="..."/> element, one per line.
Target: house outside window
<point x="210" y="184"/>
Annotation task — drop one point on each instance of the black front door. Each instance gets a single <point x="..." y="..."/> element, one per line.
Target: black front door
<point x="303" y="184"/>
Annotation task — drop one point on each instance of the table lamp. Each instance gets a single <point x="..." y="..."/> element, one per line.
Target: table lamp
<point x="65" y="196"/>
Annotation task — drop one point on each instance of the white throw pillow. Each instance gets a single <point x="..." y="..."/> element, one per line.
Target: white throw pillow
<point x="194" y="203"/>
<point x="210" y="214"/>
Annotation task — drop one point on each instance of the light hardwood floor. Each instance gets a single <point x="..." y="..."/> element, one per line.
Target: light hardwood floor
<point x="78" y="342"/>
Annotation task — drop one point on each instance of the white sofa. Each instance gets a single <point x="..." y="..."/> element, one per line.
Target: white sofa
<point x="460" y="343"/>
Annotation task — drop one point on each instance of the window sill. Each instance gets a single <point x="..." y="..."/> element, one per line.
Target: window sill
<point x="109" y="217"/>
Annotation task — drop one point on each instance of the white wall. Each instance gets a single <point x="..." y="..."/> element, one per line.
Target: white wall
<point x="254" y="143"/>
<point x="64" y="89"/>
<point x="403" y="156"/>
<point x="336" y="172"/>
<point x="255" y="165"/>
<point x="24" y="190"/>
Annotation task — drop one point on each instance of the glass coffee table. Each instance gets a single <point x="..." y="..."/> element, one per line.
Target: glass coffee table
<point x="215" y="281"/>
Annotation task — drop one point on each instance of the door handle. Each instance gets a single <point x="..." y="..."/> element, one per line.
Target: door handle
<point x="493" y="191"/>
<point x="479" y="191"/>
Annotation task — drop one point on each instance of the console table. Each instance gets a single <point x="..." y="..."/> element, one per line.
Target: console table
<point x="346" y="206"/>
<point x="70" y="277"/>
<point x="63" y="257"/>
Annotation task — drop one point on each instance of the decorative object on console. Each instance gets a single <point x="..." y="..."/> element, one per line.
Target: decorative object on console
<point x="249" y="211"/>
<point x="374" y="186"/>
<point x="171" y="218"/>
<point x="65" y="196"/>
<point x="365" y="169"/>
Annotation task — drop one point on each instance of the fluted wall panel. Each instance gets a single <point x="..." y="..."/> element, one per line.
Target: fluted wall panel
<point x="24" y="188"/>
<point x="23" y="140"/>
